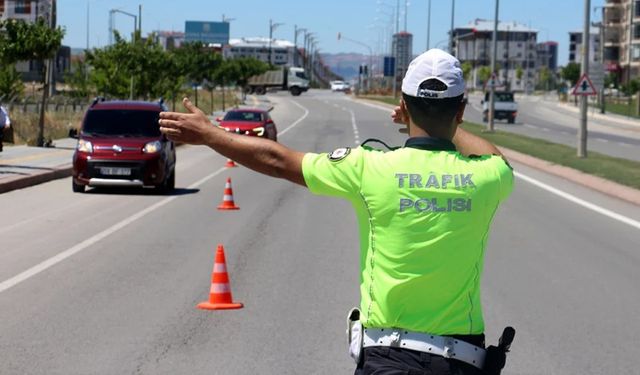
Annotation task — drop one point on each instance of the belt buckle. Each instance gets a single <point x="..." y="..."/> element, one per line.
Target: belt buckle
<point x="449" y="347"/>
<point x="394" y="339"/>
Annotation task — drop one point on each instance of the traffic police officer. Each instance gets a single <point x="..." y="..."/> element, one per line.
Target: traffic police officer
<point x="424" y="212"/>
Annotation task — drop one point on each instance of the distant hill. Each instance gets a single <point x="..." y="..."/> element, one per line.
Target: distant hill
<point x="347" y="64"/>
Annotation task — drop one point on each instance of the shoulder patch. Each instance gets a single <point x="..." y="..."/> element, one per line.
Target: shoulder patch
<point x="339" y="154"/>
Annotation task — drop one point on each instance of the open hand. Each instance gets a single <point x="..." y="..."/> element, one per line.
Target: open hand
<point x="191" y="128"/>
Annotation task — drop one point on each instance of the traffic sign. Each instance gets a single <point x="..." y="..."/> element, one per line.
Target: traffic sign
<point x="596" y="75"/>
<point x="584" y="87"/>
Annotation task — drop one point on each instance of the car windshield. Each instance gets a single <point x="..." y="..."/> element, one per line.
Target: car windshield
<point x="124" y="123"/>
<point x="301" y="75"/>
<point x="242" y="116"/>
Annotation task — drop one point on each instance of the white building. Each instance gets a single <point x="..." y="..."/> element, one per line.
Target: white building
<point x="575" y="46"/>
<point x="516" y="52"/>
<point x="279" y="51"/>
<point x="169" y="39"/>
<point x="28" y="10"/>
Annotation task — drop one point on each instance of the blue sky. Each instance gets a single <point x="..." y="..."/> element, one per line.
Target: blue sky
<point x="365" y="21"/>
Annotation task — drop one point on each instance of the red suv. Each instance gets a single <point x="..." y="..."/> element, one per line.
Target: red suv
<point x="120" y="144"/>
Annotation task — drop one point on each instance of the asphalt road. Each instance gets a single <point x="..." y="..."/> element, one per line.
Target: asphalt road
<point x="539" y="118"/>
<point x="106" y="282"/>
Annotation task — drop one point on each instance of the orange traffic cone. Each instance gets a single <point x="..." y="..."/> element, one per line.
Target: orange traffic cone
<point x="220" y="293"/>
<point x="227" y="198"/>
<point x="230" y="164"/>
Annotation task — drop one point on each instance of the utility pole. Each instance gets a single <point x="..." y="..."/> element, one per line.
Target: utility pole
<point x="428" y="25"/>
<point x="453" y="9"/>
<point x="272" y="26"/>
<point x="395" y="51"/>
<point x="494" y="55"/>
<point x="629" y="55"/>
<point x="582" y="130"/>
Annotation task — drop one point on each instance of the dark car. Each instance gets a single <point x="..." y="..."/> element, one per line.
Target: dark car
<point x="120" y="144"/>
<point x="249" y="121"/>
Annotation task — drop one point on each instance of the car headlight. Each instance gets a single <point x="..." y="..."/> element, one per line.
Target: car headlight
<point x="84" y="146"/>
<point x="259" y="131"/>
<point x="152" y="147"/>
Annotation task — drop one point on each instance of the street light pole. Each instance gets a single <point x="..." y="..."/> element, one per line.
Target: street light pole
<point x="395" y="51"/>
<point x="428" y="25"/>
<point x="493" y="77"/>
<point x="272" y="26"/>
<point x="453" y="10"/>
<point x="582" y="130"/>
<point x="296" y="31"/>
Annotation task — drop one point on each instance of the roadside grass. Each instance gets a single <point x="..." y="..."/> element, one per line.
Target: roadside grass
<point x="623" y="109"/>
<point x="622" y="171"/>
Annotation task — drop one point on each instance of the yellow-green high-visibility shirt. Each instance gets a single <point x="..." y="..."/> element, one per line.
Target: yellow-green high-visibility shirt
<point x="424" y="213"/>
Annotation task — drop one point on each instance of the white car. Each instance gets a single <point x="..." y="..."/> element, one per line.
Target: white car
<point x="339" y="86"/>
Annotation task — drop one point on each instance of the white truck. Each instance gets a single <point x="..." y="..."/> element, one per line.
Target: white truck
<point x="505" y="107"/>
<point x="292" y="79"/>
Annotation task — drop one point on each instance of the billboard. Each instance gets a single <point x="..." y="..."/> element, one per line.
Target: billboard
<point x="206" y="32"/>
<point x="389" y="66"/>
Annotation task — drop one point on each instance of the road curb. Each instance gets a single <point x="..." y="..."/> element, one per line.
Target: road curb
<point x="21" y="182"/>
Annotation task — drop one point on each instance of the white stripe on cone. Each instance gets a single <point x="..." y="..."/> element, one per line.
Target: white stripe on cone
<point x="219" y="267"/>
<point x="220" y="288"/>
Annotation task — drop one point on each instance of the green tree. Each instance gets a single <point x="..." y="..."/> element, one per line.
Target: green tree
<point x="136" y="69"/>
<point x="11" y="85"/>
<point x="571" y="73"/>
<point x="20" y="41"/>
<point x="519" y="72"/>
<point x="245" y="68"/>
<point x="467" y="67"/>
<point x="196" y="63"/>
<point x="544" y="78"/>
<point x="78" y="80"/>
<point x="484" y="73"/>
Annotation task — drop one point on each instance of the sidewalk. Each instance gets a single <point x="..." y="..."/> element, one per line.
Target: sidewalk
<point x="23" y="166"/>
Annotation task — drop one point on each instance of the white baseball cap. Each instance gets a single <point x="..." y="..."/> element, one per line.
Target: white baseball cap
<point x="434" y="64"/>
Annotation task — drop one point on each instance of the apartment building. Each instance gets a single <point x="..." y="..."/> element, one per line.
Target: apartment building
<point x="30" y="11"/>
<point x="547" y="55"/>
<point x="575" y="46"/>
<point x="403" y="46"/>
<point x="169" y="39"/>
<point x="622" y="37"/>
<point x="516" y="52"/>
<point x="27" y="10"/>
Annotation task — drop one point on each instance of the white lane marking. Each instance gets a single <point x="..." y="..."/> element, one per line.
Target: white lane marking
<point x="306" y="113"/>
<point x="48" y="263"/>
<point x="546" y="130"/>
<point x="390" y="110"/>
<point x="530" y="126"/>
<point x="602" y="140"/>
<point x="581" y="202"/>
<point x="623" y="144"/>
<point x="354" y="125"/>
<point x="94" y="239"/>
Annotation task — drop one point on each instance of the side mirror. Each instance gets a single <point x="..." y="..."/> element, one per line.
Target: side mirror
<point x="73" y="133"/>
<point x="269" y="121"/>
<point x="482" y="102"/>
<point x="218" y="119"/>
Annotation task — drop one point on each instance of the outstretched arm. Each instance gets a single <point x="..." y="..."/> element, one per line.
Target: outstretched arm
<point x="261" y="155"/>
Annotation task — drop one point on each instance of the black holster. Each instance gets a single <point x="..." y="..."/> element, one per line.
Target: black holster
<point x="497" y="355"/>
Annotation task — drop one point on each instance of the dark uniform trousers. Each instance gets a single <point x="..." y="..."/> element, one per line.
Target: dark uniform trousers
<point x="384" y="360"/>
